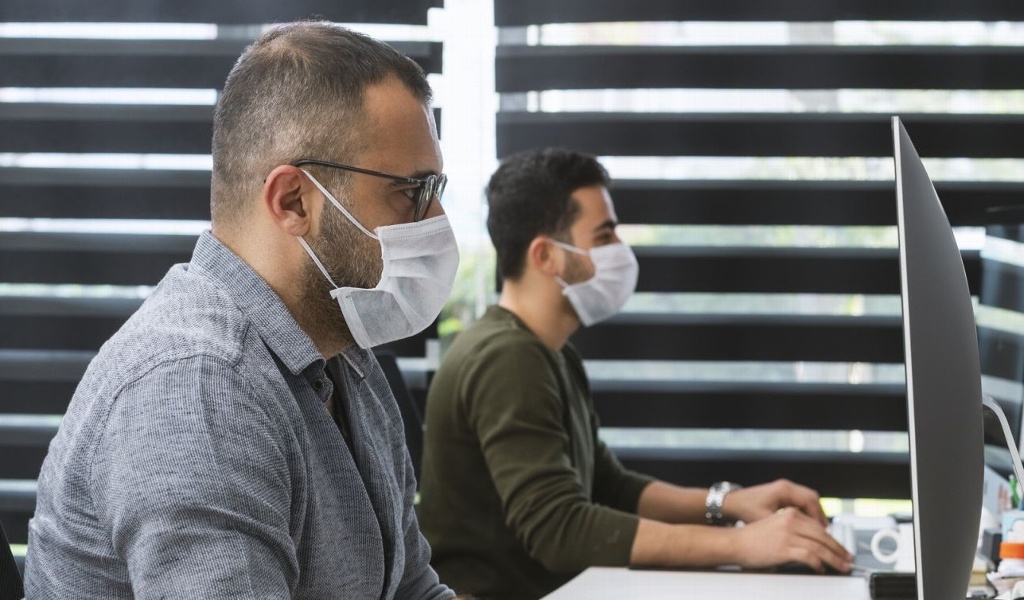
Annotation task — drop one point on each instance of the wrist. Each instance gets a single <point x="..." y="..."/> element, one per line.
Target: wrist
<point x="715" y="501"/>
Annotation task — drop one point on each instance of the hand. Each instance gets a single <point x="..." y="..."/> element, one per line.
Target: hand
<point x="761" y="501"/>
<point x="788" y="535"/>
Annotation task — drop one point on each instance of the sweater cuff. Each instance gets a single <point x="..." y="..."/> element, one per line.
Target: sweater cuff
<point x="632" y="486"/>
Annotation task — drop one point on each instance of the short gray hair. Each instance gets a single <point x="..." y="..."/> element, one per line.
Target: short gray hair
<point x="296" y="92"/>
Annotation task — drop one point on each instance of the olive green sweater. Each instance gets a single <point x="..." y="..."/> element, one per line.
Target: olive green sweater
<point x="518" y="493"/>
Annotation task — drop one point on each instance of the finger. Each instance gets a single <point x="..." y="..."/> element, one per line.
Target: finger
<point x="808" y="501"/>
<point x="812" y="508"/>
<point x="830" y="550"/>
<point x="809" y="528"/>
<point x="803" y="554"/>
<point x="817" y="555"/>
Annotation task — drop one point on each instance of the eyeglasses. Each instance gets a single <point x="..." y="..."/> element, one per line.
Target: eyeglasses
<point x="421" y="195"/>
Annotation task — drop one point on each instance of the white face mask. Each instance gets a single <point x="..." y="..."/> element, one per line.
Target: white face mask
<point x="615" y="274"/>
<point x="420" y="261"/>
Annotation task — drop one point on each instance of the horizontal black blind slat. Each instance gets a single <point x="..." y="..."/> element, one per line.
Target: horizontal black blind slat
<point x="67" y="306"/>
<point x="27" y="365"/>
<point x="525" y="68"/>
<point x="777" y="270"/>
<point x="78" y="177"/>
<point x="754" y="202"/>
<point x="761" y="405"/>
<point x="189" y="72"/>
<point x="781" y="134"/>
<point x="811" y="340"/>
<point x="87" y="268"/>
<point x="104" y="136"/>
<point x="105" y="202"/>
<point x="413" y="12"/>
<point x="832" y="474"/>
<point x="132" y="64"/>
<point x="37" y="397"/>
<point x="15" y="524"/>
<point x="531" y="12"/>
<point x="16" y="498"/>
<point x="33" y="112"/>
<point x="70" y="333"/>
<point x="229" y="47"/>
<point x="76" y="242"/>
<point x="27" y="432"/>
<point x="27" y="465"/>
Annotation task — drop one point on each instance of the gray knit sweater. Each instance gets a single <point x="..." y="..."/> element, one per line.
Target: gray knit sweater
<point x="197" y="460"/>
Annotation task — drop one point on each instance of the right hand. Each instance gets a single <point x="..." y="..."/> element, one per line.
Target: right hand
<point x="788" y="536"/>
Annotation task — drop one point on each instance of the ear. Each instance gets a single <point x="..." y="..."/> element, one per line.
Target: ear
<point x="287" y="195"/>
<point x="541" y="255"/>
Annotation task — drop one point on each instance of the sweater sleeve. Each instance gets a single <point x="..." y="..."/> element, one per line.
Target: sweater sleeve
<point x="419" y="578"/>
<point x="514" y="405"/>
<point x="190" y="466"/>
<point x="614" y="485"/>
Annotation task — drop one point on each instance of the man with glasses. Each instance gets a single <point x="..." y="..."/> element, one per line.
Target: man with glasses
<point x="237" y="438"/>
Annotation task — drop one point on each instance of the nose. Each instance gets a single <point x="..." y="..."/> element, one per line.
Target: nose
<point x="435" y="209"/>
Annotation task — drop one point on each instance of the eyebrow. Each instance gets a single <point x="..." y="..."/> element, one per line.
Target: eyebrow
<point x="423" y="174"/>
<point x="609" y="224"/>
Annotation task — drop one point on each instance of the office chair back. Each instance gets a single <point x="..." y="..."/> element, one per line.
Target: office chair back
<point x="10" y="578"/>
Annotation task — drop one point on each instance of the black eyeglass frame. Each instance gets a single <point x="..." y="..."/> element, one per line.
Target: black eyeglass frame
<point x="428" y="188"/>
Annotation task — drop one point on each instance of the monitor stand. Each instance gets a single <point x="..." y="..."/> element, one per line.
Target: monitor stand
<point x="996" y="423"/>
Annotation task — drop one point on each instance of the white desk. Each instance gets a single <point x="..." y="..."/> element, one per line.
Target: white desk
<point x="622" y="583"/>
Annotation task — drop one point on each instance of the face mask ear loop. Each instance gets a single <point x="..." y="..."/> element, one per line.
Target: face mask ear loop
<point x="569" y="247"/>
<point x="338" y="205"/>
<point x="316" y="260"/>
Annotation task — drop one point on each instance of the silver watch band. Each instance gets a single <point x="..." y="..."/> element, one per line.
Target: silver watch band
<point x="716" y="497"/>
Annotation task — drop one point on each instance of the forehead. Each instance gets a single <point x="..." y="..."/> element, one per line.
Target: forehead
<point x="400" y="130"/>
<point x="596" y="207"/>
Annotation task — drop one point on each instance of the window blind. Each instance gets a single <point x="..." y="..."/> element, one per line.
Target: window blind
<point x="751" y="152"/>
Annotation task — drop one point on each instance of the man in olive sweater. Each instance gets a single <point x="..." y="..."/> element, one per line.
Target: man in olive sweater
<point x="519" y="494"/>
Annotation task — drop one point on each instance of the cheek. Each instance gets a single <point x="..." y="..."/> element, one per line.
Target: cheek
<point x="578" y="269"/>
<point x="360" y="260"/>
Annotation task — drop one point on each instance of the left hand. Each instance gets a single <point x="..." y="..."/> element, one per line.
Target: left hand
<point x="757" y="502"/>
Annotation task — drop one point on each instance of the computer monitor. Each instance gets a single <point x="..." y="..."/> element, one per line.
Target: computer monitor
<point x="944" y="400"/>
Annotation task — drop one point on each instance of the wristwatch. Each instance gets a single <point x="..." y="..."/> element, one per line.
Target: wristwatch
<point x="716" y="496"/>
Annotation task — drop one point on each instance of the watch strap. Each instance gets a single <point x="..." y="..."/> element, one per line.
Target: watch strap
<point x="715" y="499"/>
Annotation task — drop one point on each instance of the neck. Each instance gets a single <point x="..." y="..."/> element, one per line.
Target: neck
<point x="543" y="309"/>
<point x="330" y="336"/>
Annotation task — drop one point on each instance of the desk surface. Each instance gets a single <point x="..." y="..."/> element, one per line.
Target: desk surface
<point x="609" y="582"/>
